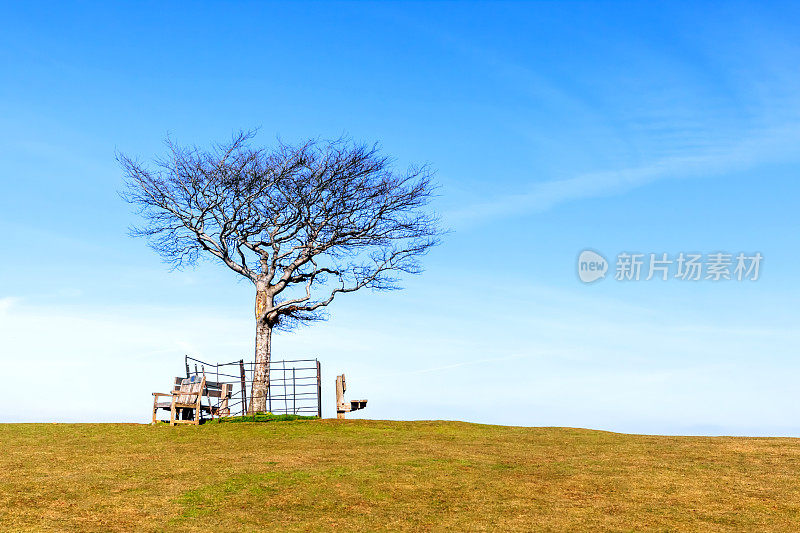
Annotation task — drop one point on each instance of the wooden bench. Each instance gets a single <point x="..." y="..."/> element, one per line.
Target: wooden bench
<point x="186" y="400"/>
<point x="342" y="406"/>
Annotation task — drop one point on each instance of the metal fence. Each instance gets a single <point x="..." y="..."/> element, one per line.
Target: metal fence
<point x="295" y="385"/>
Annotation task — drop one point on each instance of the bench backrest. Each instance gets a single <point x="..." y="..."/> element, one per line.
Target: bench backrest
<point x="190" y="388"/>
<point x="212" y="389"/>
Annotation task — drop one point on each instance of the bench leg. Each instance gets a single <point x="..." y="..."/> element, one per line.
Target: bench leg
<point x="172" y="415"/>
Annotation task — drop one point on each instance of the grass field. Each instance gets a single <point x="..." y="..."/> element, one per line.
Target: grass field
<point x="373" y="475"/>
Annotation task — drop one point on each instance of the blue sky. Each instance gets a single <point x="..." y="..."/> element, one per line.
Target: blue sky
<point x="554" y="128"/>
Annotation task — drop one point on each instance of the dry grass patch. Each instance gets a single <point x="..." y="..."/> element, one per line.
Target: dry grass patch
<point x="375" y="475"/>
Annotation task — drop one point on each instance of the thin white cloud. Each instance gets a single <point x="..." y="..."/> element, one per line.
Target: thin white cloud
<point x="772" y="146"/>
<point x="674" y="126"/>
<point x="6" y="303"/>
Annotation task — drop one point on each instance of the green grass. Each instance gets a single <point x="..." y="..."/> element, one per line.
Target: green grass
<point x="260" y="417"/>
<point x="353" y="475"/>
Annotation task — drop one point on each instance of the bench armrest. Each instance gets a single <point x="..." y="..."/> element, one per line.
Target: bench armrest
<point x="161" y="394"/>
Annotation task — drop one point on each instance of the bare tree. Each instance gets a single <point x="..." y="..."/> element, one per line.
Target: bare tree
<point x="303" y="223"/>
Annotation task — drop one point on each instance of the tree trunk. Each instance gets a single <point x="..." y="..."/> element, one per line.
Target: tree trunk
<point x="260" y="388"/>
<point x="258" y="392"/>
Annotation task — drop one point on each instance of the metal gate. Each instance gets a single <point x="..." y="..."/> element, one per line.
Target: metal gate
<point x="295" y="385"/>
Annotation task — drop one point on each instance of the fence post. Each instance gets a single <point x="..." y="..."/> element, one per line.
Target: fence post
<point x="285" y="391"/>
<point x="269" y="385"/>
<point x="244" y="387"/>
<point x="319" y="390"/>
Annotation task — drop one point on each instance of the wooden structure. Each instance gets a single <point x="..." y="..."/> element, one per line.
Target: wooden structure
<point x="343" y="407"/>
<point x="188" y="396"/>
<point x="295" y="387"/>
<point x="186" y="400"/>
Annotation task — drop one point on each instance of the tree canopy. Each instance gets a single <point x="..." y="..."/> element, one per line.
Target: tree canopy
<point x="303" y="222"/>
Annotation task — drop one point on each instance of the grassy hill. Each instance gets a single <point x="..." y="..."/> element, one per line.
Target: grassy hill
<point x="374" y="475"/>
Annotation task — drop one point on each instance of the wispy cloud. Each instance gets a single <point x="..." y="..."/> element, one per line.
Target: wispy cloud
<point x="6" y="303"/>
<point x="768" y="147"/>
<point x="703" y="118"/>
